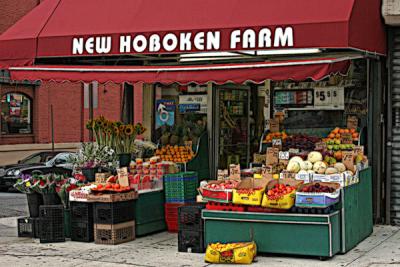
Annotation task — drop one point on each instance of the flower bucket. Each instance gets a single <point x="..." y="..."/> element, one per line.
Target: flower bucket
<point x="34" y="201"/>
<point x="124" y="160"/>
<point x="51" y="199"/>
<point x="89" y="173"/>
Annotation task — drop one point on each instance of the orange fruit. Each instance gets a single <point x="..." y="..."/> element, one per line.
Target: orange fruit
<point x="352" y="131"/>
<point x="337" y="136"/>
<point x="347" y="131"/>
<point x="341" y="131"/>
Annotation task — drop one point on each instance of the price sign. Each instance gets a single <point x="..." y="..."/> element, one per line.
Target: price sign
<point x="352" y="122"/>
<point x="359" y="150"/>
<point x="189" y="144"/>
<point x="277" y="142"/>
<point x="234" y="171"/>
<point x="287" y="175"/>
<point x="272" y="155"/>
<point x="322" y="96"/>
<point x="346" y="138"/>
<point x="303" y="177"/>
<point x="329" y="96"/>
<point x="320" y="146"/>
<point x="294" y="150"/>
<point x="283" y="155"/>
<point x="266" y="171"/>
<point x="123" y="179"/>
<point x="258" y="158"/>
<point x="348" y="160"/>
<point x="274" y="125"/>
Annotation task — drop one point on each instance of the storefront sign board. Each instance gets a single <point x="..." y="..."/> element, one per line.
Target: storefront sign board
<point x="165" y="112"/>
<point x="193" y="103"/>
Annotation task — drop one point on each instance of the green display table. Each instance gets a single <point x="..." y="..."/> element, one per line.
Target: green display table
<point x="301" y="234"/>
<point x="356" y="211"/>
<point x="149" y="213"/>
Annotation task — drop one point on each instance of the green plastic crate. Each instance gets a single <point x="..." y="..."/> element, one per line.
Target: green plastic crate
<point x="149" y="213"/>
<point x="180" y="187"/>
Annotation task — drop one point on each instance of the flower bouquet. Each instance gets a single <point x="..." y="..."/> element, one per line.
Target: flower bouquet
<point x="46" y="186"/>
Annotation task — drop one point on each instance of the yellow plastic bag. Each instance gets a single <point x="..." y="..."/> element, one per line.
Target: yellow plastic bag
<point x="240" y="253"/>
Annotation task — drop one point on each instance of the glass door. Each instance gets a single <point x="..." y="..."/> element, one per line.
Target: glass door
<point x="232" y="119"/>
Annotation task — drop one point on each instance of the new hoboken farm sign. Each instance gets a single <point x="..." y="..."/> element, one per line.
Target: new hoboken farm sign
<point x="176" y="42"/>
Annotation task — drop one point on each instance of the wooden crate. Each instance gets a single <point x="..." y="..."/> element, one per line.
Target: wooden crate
<point x="114" y="234"/>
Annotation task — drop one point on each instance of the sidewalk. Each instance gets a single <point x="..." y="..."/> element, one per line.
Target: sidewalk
<point x="381" y="249"/>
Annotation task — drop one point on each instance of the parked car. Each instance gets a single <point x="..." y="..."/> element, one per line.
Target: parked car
<point x="44" y="162"/>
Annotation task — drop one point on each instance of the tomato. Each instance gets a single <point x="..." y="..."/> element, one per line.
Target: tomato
<point x="108" y="186"/>
<point x="99" y="186"/>
<point x="116" y="186"/>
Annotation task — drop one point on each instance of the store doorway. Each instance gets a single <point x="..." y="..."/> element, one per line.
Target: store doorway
<point x="127" y="104"/>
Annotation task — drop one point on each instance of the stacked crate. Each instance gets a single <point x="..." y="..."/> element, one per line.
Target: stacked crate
<point x="191" y="228"/>
<point x="28" y="227"/>
<point x="114" y="222"/>
<point x="82" y="226"/>
<point x="180" y="188"/>
<point x="51" y="223"/>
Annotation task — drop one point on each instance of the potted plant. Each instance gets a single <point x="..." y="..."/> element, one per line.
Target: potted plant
<point x="93" y="158"/>
<point x="34" y="199"/>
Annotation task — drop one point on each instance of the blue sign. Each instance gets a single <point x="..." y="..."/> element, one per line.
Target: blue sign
<point x="184" y="108"/>
<point x="165" y="112"/>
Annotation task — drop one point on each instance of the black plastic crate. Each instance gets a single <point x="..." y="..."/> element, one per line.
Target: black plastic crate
<point x="51" y="224"/>
<point x="27" y="227"/>
<point x="82" y="231"/>
<point x="81" y="212"/>
<point x="114" y="212"/>
<point x="190" y="217"/>
<point x="193" y="240"/>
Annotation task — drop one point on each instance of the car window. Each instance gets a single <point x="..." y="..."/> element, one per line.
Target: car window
<point x="31" y="160"/>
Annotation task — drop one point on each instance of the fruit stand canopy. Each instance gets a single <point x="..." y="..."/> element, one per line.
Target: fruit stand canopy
<point x="70" y="28"/>
<point x="258" y="72"/>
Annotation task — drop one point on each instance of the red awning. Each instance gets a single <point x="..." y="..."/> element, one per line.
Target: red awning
<point x="296" y="70"/>
<point x="50" y="29"/>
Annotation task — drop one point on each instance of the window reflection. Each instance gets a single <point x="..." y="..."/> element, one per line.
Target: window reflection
<point x="16" y="117"/>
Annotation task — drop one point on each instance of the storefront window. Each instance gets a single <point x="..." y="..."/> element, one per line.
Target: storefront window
<point x="16" y="116"/>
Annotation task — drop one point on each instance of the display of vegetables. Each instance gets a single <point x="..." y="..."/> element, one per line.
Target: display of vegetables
<point x="228" y="184"/>
<point x="279" y="190"/>
<point x="277" y="135"/>
<point x="317" y="188"/>
<point x="178" y="154"/>
<point x="336" y="134"/>
<point x="301" y="142"/>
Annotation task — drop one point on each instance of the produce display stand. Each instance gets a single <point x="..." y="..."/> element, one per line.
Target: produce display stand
<point x="149" y="213"/>
<point x="356" y="211"/>
<point x="300" y="234"/>
<point x="321" y="235"/>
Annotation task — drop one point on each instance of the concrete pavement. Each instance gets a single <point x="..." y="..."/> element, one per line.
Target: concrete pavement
<point x="381" y="249"/>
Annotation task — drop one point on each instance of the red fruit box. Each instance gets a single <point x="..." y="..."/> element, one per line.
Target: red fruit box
<point x="224" y="206"/>
<point x="266" y="210"/>
<point x="217" y="195"/>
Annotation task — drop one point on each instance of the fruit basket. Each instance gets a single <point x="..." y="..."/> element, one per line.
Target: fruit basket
<point x="280" y="194"/>
<point x="317" y="195"/>
<point x="249" y="192"/>
<point x="218" y="191"/>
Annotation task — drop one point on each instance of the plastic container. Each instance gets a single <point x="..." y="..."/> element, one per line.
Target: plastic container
<point x="52" y="224"/>
<point x="114" y="213"/>
<point x="224" y="207"/>
<point x="180" y="187"/>
<point x="113" y="234"/>
<point x="82" y="232"/>
<point x="171" y="216"/>
<point x="191" y="240"/>
<point x="27" y="227"/>
<point x="190" y="217"/>
<point x="81" y="212"/>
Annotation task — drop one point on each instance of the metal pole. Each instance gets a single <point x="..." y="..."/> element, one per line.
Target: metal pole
<point x="52" y="127"/>
<point x="90" y="89"/>
<point x="389" y="123"/>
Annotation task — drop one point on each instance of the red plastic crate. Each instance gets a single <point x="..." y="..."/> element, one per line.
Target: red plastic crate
<point x="267" y="210"/>
<point x="171" y="216"/>
<point x="224" y="195"/>
<point x="224" y="206"/>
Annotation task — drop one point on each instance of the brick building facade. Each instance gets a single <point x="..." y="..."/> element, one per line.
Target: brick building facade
<point x="67" y="99"/>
